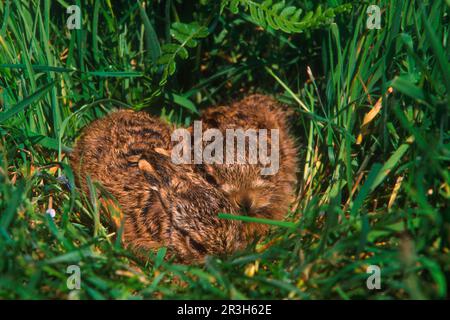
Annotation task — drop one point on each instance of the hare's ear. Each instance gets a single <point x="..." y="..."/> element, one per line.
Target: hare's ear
<point x="133" y="159"/>
<point x="162" y="151"/>
<point x="149" y="172"/>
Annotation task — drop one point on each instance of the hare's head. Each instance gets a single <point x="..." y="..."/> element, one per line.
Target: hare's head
<point x="265" y="189"/>
<point x="252" y="193"/>
<point x="190" y="207"/>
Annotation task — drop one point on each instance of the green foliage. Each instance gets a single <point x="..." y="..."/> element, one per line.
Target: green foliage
<point x="286" y="18"/>
<point x="187" y="35"/>
<point x="371" y="111"/>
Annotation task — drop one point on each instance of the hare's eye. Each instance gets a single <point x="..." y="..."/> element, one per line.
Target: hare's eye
<point x="266" y="177"/>
<point x="196" y="245"/>
<point x="210" y="179"/>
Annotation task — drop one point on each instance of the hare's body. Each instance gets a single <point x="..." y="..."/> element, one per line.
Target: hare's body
<point x="106" y="145"/>
<point x="163" y="204"/>
<point x="265" y="196"/>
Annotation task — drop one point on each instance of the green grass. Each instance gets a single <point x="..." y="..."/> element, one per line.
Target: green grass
<point x="374" y="176"/>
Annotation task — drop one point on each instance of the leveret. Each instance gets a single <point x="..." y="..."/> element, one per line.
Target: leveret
<point x="163" y="204"/>
<point x="256" y="194"/>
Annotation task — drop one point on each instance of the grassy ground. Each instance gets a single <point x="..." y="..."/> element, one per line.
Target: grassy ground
<point x="372" y="115"/>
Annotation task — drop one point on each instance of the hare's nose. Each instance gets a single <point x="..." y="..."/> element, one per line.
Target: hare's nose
<point x="245" y="205"/>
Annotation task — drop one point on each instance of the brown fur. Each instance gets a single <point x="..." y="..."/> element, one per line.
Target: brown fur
<point x="257" y="195"/>
<point x="164" y="204"/>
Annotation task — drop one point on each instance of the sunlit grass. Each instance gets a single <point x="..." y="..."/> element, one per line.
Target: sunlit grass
<point x="371" y="114"/>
